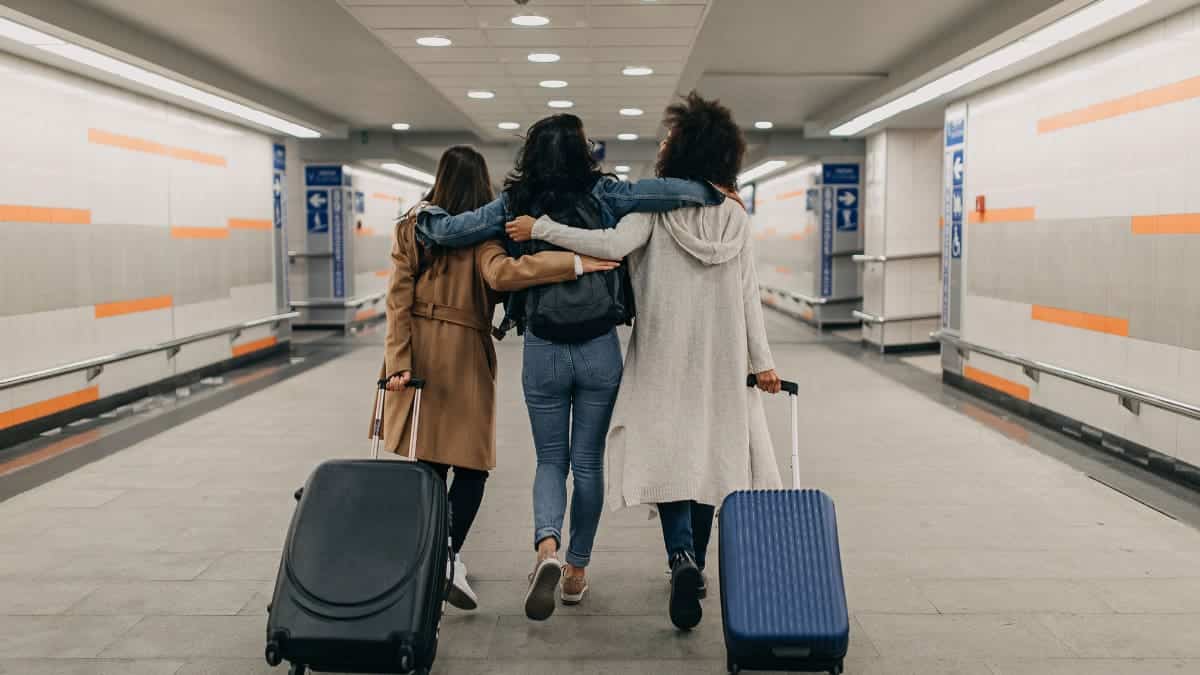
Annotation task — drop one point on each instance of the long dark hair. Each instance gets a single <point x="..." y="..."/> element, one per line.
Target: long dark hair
<point x="705" y="144"/>
<point x="555" y="166"/>
<point x="462" y="182"/>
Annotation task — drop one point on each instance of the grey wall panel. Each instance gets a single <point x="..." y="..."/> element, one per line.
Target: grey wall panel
<point x="372" y="253"/>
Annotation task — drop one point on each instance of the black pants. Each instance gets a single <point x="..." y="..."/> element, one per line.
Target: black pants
<point x="687" y="527"/>
<point x="466" y="494"/>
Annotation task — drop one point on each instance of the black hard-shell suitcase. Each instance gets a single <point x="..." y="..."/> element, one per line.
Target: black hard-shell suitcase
<point x="363" y="575"/>
<point x="783" y="598"/>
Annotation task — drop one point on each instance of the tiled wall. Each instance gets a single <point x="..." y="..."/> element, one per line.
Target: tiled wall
<point x="787" y="237"/>
<point x="124" y="222"/>
<point x="384" y="200"/>
<point x="903" y="175"/>
<point x="1087" y="255"/>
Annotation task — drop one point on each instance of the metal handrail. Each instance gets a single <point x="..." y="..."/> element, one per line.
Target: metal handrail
<point x="900" y="256"/>
<point x="100" y="361"/>
<point x="334" y="302"/>
<point x="845" y="254"/>
<point x="305" y="254"/>
<point x="875" y="318"/>
<point x="1128" y="396"/>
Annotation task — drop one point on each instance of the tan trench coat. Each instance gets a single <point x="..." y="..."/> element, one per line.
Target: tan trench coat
<point x="438" y="326"/>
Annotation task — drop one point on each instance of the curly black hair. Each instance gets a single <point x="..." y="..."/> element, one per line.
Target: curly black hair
<point x="554" y="167"/>
<point x="703" y="142"/>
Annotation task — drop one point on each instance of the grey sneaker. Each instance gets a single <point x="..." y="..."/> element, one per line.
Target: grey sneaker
<point x="539" y="599"/>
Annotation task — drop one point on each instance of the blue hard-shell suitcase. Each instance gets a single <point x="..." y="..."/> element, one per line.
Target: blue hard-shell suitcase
<point x="783" y="599"/>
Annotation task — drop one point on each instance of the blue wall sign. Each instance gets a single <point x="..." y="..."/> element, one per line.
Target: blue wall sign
<point x="329" y="175"/>
<point x="840" y="174"/>
<point x="317" y="206"/>
<point x="828" y="210"/>
<point x="956" y="130"/>
<point x="847" y="209"/>
<point x="956" y="168"/>
<point x="956" y="221"/>
<point x="339" y="245"/>
<point x="360" y="202"/>
<point x="277" y="198"/>
<point x="956" y="240"/>
<point x="280" y="157"/>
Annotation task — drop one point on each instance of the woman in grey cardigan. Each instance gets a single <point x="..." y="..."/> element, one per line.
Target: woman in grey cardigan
<point x="686" y="430"/>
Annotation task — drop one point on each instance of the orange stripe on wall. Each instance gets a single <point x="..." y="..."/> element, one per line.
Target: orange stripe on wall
<point x="1018" y="214"/>
<point x="18" y="213"/>
<point x="178" y="232"/>
<point x="101" y="137"/>
<point x="1178" y="223"/>
<point x="386" y="273"/>
<point x="790" y="195"/>
<point x="247" y="224"/>
<point x="996" y="382"/>
<point x="11" y="418"/>
<point x="254" y="345"/>
<point x="364" y="314"/>
<point x="1093" y="322"/>
<point x="384" y="195"/>
<point x="1144" y="100"/>
<point x="108" y="309"/>
<point x="364" y="232"/>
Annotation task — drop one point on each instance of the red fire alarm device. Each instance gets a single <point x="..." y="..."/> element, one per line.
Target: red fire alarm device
<point x="980" y="204"/>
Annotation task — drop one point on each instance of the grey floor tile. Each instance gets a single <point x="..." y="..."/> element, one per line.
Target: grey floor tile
<point x="1151" y="596"/>
<point x="133" y="566"/>
<point x="1000" y="596"/>
<point x="961" y="636"/>
<point x="230" y="667"/>
<point x="1095" y="666"/>
<point x="925" y="667"/>
<point x="886" y="595"/>
<point x="244" y="566"/>
<point x="1128" y="635"/>
<point x="42" y="597"/>
<point x="88" y="667"/>
<point x="60" y="636"/>
<point x="191" y="636"/>
<point x="584" y="637"/>
<point x="168" y="597"/>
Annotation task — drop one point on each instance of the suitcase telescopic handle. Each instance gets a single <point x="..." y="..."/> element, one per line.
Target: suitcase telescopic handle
<point x="793" y="390"/>
<point x="377" y="424"/>
<point x="787" y="386"/>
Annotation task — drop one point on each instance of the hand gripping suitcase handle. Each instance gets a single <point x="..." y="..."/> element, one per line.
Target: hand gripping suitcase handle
<point x="377" y="423"/>
<point x="793" y="390"/>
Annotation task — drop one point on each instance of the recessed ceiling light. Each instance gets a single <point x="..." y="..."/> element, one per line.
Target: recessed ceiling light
<point x="621" y="168"/>
<point x="481" y="94"/>
<point x="637" y="71"/>
<point x="763" y="125"/>
<point x="632" y="112"/>
<point x="560" y="104"/>
<point x="434" y="41"/>
<point x="767" y="167"/>
<point x="401" y="126"/>
<point x="627" y="137"/>
<point x="509" y="126"/>
<point x="544" y="57"/>
<point x="530" y="20"/>
<point x="553" y="84"/>
<point x="409" y="172"/>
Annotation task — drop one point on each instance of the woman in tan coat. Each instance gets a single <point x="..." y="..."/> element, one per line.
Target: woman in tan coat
<point x="439" y="311"/>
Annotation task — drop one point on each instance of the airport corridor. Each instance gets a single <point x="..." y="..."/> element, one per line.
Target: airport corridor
<point x="966" y="551"/>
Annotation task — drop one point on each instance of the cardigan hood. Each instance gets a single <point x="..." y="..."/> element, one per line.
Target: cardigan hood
<point x="711" y="235"/>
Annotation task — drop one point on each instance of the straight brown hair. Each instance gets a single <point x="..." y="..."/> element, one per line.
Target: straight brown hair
<point x="462" y="182"/>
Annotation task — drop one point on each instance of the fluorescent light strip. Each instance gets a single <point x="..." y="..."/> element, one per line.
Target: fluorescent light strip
<point x="761" y="170"/>
<point x="144" y="77"/>
<point x="409" y="172"/>
<point x="1070" y="26"/>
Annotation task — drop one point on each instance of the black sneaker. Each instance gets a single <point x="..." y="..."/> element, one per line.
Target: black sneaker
<point x="686" y="582"/>
<point x="703" y="582"/>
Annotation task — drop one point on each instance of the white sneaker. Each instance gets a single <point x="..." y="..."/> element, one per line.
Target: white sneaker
<point x="460" y="593"/>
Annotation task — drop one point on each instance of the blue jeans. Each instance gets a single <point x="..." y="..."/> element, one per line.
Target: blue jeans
<point x="570" y="390"/>
<point x="687" y="527"/>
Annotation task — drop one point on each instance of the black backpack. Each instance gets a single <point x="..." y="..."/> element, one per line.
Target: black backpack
<point x="579" y="310"/>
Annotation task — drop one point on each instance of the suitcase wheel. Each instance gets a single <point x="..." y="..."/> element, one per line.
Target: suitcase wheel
<point x="274" y="657"/>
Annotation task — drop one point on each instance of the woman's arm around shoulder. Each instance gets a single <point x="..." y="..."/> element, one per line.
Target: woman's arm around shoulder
<point x="436" y="226"/>
<point x="631" y="233"/>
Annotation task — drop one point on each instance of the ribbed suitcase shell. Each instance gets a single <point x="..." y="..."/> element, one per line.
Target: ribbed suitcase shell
<point x="363" y="571"/>
<point x="783" y="598"/>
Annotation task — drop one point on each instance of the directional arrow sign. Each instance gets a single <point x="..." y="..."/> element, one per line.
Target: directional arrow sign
<point x="956" y="167"/>
<point x="847" y="198"/>
<point x="317" y="200"/>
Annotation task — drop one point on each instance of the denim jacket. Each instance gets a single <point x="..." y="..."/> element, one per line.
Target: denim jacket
<point x="617" y="199"/>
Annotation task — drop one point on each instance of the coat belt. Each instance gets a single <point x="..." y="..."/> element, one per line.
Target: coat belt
<point x="461" y="317"/>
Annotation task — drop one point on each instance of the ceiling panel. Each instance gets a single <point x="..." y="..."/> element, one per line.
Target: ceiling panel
<point x="595" y="39"/>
